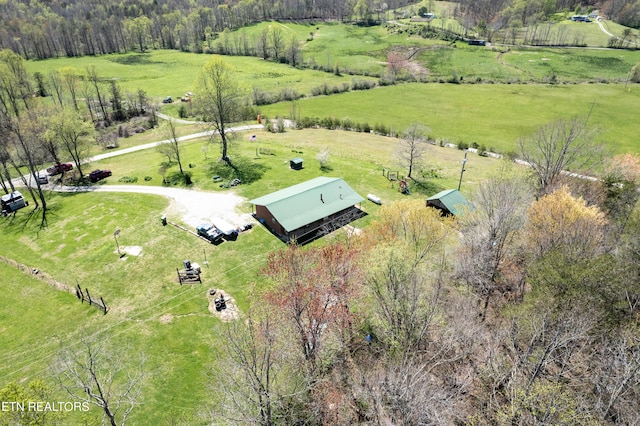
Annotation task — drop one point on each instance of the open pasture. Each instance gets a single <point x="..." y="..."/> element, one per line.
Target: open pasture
<point x="492" y="115"/>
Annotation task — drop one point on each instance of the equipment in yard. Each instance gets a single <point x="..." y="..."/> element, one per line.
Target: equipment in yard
<point x="190" y="273"/>
<point x="220" y="303"/>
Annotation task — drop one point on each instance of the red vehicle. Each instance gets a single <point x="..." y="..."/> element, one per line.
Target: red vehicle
<point x="97" y="175"/>
<point x="58" y="168"/>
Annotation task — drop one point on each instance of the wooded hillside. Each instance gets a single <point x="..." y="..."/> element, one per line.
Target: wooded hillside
<point x="45" y="29"/>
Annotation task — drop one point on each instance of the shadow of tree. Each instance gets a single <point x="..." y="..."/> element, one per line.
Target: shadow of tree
<point x="424" y="187"/>
<point x="240" y="168"/>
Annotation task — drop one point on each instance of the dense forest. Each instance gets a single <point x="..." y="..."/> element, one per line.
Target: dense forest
<point x="45" y="29"/>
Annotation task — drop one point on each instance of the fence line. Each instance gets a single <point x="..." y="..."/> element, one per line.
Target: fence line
<point x="86" y="297"/>
<point x="48" y="279"/>
<point x="42" y="276"/>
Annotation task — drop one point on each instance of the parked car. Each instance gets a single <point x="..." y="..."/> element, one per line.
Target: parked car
<point x="209" y="231"/>
<point x="167" y="100"/>
<point x="58" y="168"/>
<point x="97" y="175"/>
<point x="43" y="179"/>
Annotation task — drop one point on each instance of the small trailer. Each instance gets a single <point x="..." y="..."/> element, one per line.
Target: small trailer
<point x="12" y="202"/>
<point x="374" y="199"/>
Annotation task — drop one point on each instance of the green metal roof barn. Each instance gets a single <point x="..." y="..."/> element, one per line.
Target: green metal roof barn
<point x="450" y="201"/>
<point x="302" y="210"/>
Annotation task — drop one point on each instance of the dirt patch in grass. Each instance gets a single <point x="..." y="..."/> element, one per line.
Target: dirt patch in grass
<point x="166" y="318"/>
<point x="230" y="313"/>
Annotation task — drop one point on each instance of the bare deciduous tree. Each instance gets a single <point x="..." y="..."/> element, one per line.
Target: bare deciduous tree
<point x="277" y="42"/>
<point x="70" y="79"/>
<point x="55" y="80"/>
<point x="258" y="374"/>
<point x="27" y="137"/>
<point x="294" y="52"/>
<point x="560" y="146"/>
<point x="94" y="80"/>
<point x="420" y="386"/>
<point x="99" y="375"/>
<point x="617" y="378"/>
<point x="262" y="44"/>
<point x="548" y="354"/>
<point x="171" y="147"/>
<point x="412" y="146"/>
<point x="219" y="99"/>
<point x="73" y="134"/>
<point x="488" y="231"/>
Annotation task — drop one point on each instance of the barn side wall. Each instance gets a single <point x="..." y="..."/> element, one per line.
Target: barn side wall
<point x="267" y="219"/>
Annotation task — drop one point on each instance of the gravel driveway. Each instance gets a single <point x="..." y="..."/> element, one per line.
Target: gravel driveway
<point x="192" y="207"/>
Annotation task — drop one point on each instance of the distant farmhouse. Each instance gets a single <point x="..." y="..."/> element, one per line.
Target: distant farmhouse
<point x="308" y="210"/>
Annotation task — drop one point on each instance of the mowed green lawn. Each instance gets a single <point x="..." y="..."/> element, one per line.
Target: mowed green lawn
<point x="357" y="157"/>
<point x="150" y="312"/>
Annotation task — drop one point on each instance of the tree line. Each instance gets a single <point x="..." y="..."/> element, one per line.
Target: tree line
<point x="40" y="30"/>
<point x="45" y="119"/>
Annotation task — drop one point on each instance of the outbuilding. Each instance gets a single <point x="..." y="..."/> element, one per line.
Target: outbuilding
<point x="303" y="212"/>
<point x="296" y="163"/>
<point x="449" y="202"/>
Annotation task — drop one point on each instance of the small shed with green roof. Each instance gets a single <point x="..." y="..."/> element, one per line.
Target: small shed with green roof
<point x="450" y="202"/>
<point x="303" y="211"/>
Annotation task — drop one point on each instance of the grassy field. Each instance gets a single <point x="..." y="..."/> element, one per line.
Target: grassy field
<point x="357" y="157"/>
<point x="150" y="312"/>
<point x="492" y="115"/>
<point x="163" y="73"/>
<point x="169" y="323"/>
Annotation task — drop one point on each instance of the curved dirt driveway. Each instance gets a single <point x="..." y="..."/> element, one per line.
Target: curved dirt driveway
<point x="193" y="207"/>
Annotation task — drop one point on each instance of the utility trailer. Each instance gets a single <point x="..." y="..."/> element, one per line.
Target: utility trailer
<point x="12" y="202"/>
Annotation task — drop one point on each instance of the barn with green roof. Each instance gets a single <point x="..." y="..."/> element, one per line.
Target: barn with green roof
<point x="450" y="202"/>
<point x="309" y="209"/>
